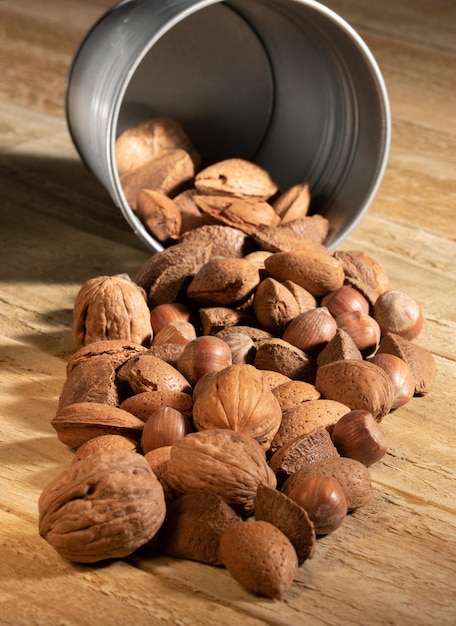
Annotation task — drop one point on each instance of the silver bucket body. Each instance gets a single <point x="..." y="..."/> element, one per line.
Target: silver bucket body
<point x="287" y="84"/>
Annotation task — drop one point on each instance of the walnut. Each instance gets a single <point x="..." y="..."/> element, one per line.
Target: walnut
<point x="224" y="462"/>
<point x="106" y="506"/>
<point x="111" y="307"/>
<point x="238" y="398"/>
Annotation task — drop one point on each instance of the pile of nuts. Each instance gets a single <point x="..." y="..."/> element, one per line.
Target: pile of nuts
<point x="226" y="404"/>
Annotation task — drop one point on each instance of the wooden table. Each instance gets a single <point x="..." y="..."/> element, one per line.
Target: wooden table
<point x="393" y="562"/>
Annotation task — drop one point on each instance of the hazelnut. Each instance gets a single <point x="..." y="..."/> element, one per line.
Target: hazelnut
<point x="324" y="500"/>
<point x="400" y="375"/>
<point x="311" y="331"/>
<point x="163" y="314"/>
<point x="164" y="427"/>
<point x="358" y="436"/>
<point x="396" y="312"/>
<point x="353" y="477"/>
<point x="179" y="332"/>
<point x="203" y="355"/>
<point x="362" y="328"/>
<point x="344" y="299"/>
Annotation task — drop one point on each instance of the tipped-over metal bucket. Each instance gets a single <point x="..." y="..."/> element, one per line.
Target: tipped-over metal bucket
<point x="287" y="84"/>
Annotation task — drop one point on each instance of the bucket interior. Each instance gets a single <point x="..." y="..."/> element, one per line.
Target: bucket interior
<point x="284" y="83"/>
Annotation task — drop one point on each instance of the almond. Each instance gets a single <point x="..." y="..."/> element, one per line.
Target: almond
<point x="259" y="557"/>
<point x="318" y="273"/>
<point x="357" y="383"/>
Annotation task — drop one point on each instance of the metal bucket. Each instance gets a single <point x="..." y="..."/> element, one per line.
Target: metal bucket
<point x="287" y="84"/>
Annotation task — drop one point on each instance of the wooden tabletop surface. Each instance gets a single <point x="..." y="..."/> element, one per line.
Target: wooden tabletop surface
<point x="392" y="562"/>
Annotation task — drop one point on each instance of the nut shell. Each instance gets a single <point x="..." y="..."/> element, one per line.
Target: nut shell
<point x="224" y="462"/>
<point x="352" y="475"/>
<point x="111" y="307"/>
<point x="81" y="421"/>
<point x="104" y="507"/>
<point x="358" y="384"/>
<point x="259" y="557"/>
<point x="306" y="417"/>
<point x="317" y="272"/>
<point x="238" y="398"/>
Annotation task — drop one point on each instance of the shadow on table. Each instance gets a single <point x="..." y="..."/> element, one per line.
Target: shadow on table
<point x="55" y="214"/>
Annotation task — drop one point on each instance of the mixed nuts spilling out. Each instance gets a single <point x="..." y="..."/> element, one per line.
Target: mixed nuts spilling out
<point x="226" y="404"/>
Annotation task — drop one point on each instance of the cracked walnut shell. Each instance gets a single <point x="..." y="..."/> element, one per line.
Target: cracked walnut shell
<point x="104" y="507"/>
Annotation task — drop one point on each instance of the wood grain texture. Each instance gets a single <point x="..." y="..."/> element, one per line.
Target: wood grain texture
<point x="390" y="563"/>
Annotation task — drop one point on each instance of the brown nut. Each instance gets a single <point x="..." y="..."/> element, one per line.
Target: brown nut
<point x="311" y="331"/>
<point x="344" y="299"/>
<point x="244" y="214"/>
<point x="300" y="451"/>
<point x="357" y="383"/>
<point x="149" y="139"/>
<point x="106" y="506"/>
<point x="105" y="442"/>
<point x="224" y="282"/>
<point x="178" y="331"/>
<point x="159" y="214"/>
<point x="353" y="477"/>
<point x="77" y="423"/>
<point x="397" y="312"/>
<point x="242" y="348"/>
<point x="234" y="462"/>
<point x="362" y="268"/>
<point x="164" y="427"/>
<point x="166" y="173"/>
<point x="236" y="177"/>
<point x="287" y="239"/>
<point x="111" y="307"/>
<point x="145" y="403"/>
<point x="282" y="357"/>
<point x="305" y="418"/>
<point x="274" y="305"/>
<point x="216" y="319"/>
<point x="295" y="392"/>
<point x="317" y="272"/>
<point x="179" y="254"/>
<point x="203" y="355"/>
<point x="163" y="314"/>
<point x="324" y="500"/>
<point x="420" y="360"/>
<point x="275" y="507"/>
<point x="340" y="347"/>
<point x="193" y="526"/>
<point x="362" y="328"/>
<point x="259" y="557"/>
<point x="238" y="398"/>
<point x="359" y="436"/>
<point x="92" y="379"/>
<point x="400" y="375"/>
<point x="293" y="203"/>
<point x="227" y="241"/>
<point x="150" y="373"/>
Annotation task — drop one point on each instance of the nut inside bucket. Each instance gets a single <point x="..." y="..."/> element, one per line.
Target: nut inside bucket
<point x="285" y="83"/>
